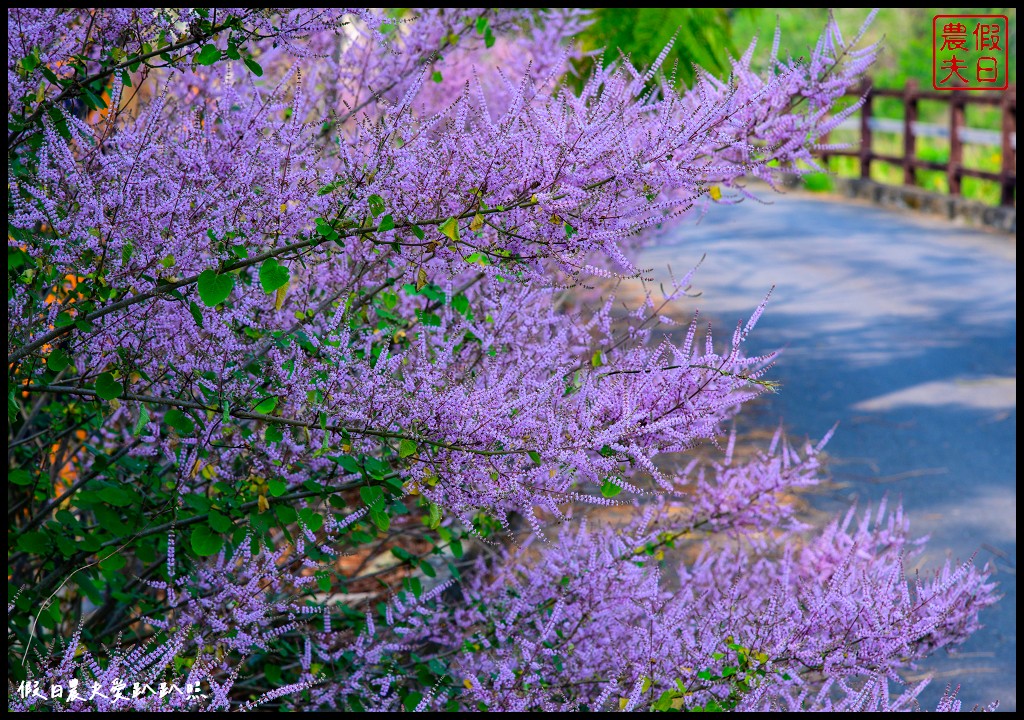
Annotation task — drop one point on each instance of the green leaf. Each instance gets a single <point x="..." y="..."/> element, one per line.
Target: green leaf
<point x="450" y="229"/>
<point x="176" y="419"/>
<point x="272" y="275"/>
<point x="481" y="24"/>
<point x="460" y="303"/>
<point x="323" y="581"/>
<point x="66" y="546"/>
<point x="534" y="455"/>
<point x="273" y="674"/>
<point x="141" y="422"/>
<point x="266" y="406"/>
<point x="610" y="489"/>
<point x="34" y="542"/>
<point x="19" y="477"/>
<point x="58" y="360"/>
<point x="456" y="547"/>
<point x="214" y="288"/>
<point x="376" y="203"/>
<point x="260" y="523"/>
<point x="380" y="519"/>
<point x="386" y="223"/>
<point x="437" y="77"/>
<point x="85" y="582"/>
<point x="664" y="702"/>
<point x="375" y="467"/>
<point x="330" y="187"/>
<point x="108" y="388"/>
<point x="219" y="522"/>
<point x="274" y="434"/>
<point x="396" y="486"/>
<point x="349" y="464"/>
<point x="434" y="518"/>
<point x="413" y="585"/>
<point x="372" y="496"/>
<point x="205" y="542"/>
<point x="286" y="514"/>
<point x="411" y="701"/>
<point x="16" y="257"/>
<point x="118" y="497"/>
<point x="406" y="448"/>
<point x="489" y="38"/>
<point x="254" y="66"/>
<point x="401" y="553"/>
<point x="597" y="359"/>
<point x="197" y="502"/>
<point x="197" y="312"/>
<point x="59" y="122"/>
<point x="312" y="520"/>
<point x="92" y="100"/>
<point x="52" y="77"/>
<point x="208" y="56"/>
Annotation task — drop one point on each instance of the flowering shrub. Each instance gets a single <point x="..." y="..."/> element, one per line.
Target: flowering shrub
<point x="303" y="365"/>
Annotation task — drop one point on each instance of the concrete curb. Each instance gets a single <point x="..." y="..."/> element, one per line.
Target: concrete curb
<point x="905" y="197"/>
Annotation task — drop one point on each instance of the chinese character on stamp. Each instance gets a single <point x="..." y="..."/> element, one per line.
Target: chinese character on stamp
<point x="969" y="52"/>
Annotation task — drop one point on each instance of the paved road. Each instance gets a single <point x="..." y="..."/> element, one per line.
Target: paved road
<point x="903" y="328"/>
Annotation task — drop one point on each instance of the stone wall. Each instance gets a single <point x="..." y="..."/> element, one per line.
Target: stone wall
<point x="913" y="198"/>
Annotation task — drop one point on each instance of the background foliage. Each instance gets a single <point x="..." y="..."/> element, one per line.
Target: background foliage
<point x="708" y="37"/>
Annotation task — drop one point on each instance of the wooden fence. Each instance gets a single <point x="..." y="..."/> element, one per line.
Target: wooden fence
<point x="911" y="95"/>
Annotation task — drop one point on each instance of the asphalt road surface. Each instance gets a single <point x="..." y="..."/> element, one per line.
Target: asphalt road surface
<point x="903" y="328"/>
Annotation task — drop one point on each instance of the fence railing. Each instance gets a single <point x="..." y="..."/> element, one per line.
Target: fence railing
<point x="958" y="134"/>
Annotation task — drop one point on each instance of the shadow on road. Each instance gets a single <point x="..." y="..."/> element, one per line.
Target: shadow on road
<point x="902" y="328"/>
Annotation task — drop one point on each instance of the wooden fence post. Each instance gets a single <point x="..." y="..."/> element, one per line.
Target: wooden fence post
<point x="956" y="146"/>
<point x="909" y="141"/>
<point x="911" y="96"/>
<point x="1008" y="168"/>
<point x="865" y="130"/>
